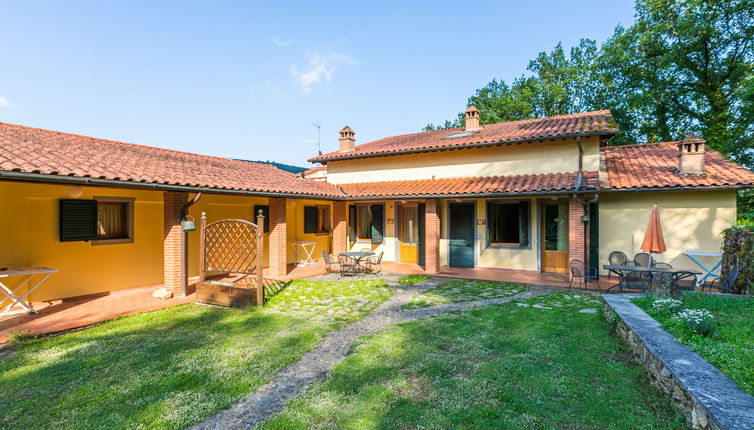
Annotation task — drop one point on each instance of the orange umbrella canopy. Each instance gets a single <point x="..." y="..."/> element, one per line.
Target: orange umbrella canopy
<point x="653" y="240"/>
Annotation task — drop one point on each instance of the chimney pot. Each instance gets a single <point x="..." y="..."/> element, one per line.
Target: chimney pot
<point x="691" y="153"/>
<point x="347" y="139"/>
<point x="472" y="119"/>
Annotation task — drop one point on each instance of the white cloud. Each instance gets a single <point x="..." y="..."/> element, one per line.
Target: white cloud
<point x="281" y="43"/>
<point x="321" y="68"/>
<point x="6" y="103"/>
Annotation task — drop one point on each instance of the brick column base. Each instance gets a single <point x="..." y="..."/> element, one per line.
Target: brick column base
<point x="339" y="228"/>
<point x="432" y="236"/>
<point x="172" y="243"/>
<point x="576" y="233"/>
<point x="278" y="238"/>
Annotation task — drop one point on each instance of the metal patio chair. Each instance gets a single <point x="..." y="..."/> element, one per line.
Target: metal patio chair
<point x="347" y="266"/>
<point x="331" y="266"/>
<point x="724" y="284"/>
<point x="374" y="263"/>
<point x="661" y="265"/>
<point x="579" y="271"/>
<point x="681" y="276"/>
<point x="616" y="258"/>
<point x="642" y="259"/>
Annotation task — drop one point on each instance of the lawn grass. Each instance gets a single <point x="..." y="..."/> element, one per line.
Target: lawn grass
<point x="730" y="347"/>
<point x="341" y="300"/>
<point x="503" y="366"/>
<point x="413" y="279"/>
<point x="169" y="368"/>
<point x="464" y="290"/>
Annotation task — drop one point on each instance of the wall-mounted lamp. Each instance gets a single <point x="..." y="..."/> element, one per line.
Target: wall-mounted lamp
<point x="74" y="191"/>
<point x="188" y="223"/>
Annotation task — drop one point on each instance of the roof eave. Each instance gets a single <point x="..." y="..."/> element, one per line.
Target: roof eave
<point x="324" y="161"/>
<point x="99" y="182"/>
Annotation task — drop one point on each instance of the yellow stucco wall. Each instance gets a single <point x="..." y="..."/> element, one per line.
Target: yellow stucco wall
<point x="691" y="220"/>
<point x="29" y="237"/>
<point x="539" y="157"/>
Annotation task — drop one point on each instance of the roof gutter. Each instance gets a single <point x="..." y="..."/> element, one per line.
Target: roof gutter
<point x="77" y="180"/>
<point x="472" y="195"/>
<point x="611" y="131"/>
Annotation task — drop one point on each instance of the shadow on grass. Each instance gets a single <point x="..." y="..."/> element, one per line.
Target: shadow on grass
<point x="497" y="367"/>
<point x="165" y="369"/>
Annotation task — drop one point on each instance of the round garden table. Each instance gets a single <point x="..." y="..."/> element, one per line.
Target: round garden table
<point x="358" y="258"/>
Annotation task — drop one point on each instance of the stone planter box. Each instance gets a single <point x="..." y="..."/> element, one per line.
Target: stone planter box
<point x="707" y="398"/>
<point x="226" y="294"/>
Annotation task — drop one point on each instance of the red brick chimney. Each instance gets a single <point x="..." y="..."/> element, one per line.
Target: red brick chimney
<point x="347" y="140"/>
<point x="691" y="155"/>
<point x="472" y="119"/>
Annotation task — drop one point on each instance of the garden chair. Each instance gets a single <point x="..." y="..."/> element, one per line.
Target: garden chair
<point x="642" y="259"/>
<point x="374" y="263"/>
<point x="579" y="271"/>
<point x="630" y="280"/>
<point x="725" y="284"/>
<point x="365" y="250"/>
<point x="331" y="266"/>
<point x="616" y="258"/>
<point x="661" y="265"/>
<point x="347" y="266"/>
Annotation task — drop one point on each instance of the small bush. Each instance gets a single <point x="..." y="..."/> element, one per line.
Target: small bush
<point x="667" y="306"/>
<point x="19" y="336"/>
<point x="699" y="321"/>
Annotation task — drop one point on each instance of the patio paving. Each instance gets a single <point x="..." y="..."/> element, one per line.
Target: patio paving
<point x="59" y="315"/>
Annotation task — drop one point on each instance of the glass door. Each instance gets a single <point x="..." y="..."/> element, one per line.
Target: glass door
<point x="555" y="237"/>
<point x="408" y="233"/>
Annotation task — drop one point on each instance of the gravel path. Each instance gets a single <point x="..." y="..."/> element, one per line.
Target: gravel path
<point x="270" y="398"/>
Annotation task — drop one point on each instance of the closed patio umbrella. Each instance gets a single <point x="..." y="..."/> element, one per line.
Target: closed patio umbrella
<point x="654" y="243"/>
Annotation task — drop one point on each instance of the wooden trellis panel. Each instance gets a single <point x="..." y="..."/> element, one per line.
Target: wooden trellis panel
<point x="233" y="246"/>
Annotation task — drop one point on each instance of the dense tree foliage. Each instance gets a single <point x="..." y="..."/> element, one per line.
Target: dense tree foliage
<point x="683" y="66"/>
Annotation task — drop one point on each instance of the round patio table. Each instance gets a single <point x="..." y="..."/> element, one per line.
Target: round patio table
<point x="358" y="257"/>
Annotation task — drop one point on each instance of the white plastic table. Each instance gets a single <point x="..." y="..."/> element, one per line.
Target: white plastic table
<point x="708" y="272"/>
<point x="28" y="273"/>
<point x="304" y="253"/>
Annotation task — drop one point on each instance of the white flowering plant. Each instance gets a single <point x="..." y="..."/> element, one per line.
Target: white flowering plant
<point x="699" y="321"/>
<point x="667" y="306"/>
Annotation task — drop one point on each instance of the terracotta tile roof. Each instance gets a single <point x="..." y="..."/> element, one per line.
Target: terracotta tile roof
<point x="655" y="165"/>
<point x="597" y="122"/>
<point x="314" y="170"/>
<point x="477" y="185"/>
<point x="34" y="150"/>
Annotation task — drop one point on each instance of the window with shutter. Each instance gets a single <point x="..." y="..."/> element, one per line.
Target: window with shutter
<point x="310" y="219"/>
<point x="78" y="220"/>
<point x="508" y="223"/>
<point x="115" y="220"/>
<point x="323" y="219"/>
<point x="378" y="223"/>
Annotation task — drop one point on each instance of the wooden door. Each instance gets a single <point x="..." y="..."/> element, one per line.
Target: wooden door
<point x="461" y="240"/>
<point x="555" y="237"/>
<point x="408" y="233"/>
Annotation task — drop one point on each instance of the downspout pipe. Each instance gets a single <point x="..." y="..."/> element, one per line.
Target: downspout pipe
<point x="585" y="203"/>
<point x="184" y="245"/>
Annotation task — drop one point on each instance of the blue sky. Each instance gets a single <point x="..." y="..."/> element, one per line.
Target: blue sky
<point x="247" y="79"/>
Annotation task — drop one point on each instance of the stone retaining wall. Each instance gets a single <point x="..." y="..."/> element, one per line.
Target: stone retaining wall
<point x="707" y="398"/>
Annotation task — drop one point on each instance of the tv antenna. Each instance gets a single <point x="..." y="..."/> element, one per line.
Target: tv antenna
<point x="319" y="136"/>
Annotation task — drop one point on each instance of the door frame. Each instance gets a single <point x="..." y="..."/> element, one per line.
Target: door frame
<point x="475" y="246"/>
<point x="540" y="230"/>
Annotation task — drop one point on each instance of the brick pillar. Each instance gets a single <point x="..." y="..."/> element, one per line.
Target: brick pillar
<point x="278" y="238"/>
<point x="339" y="228"/>
<point x="576" y="233"/>
<point x="432" y="236"/>
<point x="172" y="241"/>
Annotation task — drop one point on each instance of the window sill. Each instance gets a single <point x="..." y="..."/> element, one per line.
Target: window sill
<point x="120" y="241"/>
<point x="502" y="246"/>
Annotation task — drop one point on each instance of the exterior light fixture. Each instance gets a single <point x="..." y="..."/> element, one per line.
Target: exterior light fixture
<point x="188" y="223"/>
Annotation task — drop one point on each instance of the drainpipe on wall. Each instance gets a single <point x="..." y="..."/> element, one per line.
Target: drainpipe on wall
<point x="585" y="203"/>
<point x="184" y="245"/>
